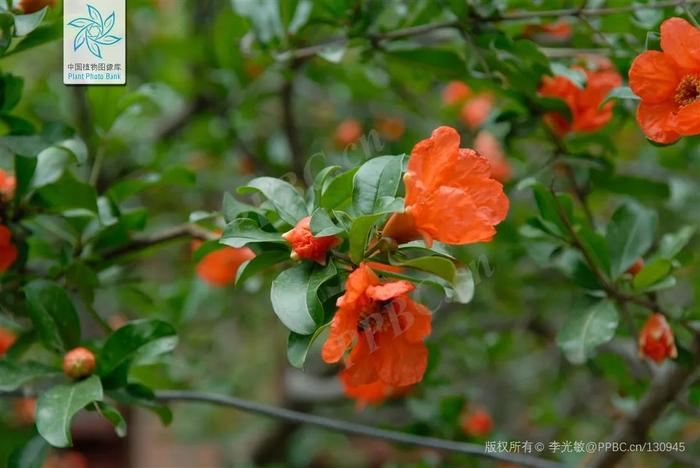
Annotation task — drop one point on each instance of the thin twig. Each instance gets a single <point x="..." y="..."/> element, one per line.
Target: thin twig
<point x="289" y="124"/>
<point x="348" y="427"/>
<point x="188" y="231"/>
<point x="311" y="51"/>
<point x="664" y="389"/>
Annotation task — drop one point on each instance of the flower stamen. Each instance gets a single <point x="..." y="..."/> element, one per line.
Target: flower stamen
<point x="688" y="91"/>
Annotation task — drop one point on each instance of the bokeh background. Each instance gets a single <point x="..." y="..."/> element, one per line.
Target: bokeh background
<point x="219" y="92"/>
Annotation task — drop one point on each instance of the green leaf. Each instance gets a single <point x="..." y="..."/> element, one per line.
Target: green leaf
<point x="652" y="273"/>
<point x="377" y="178"/>
<point x="68" y="193"/>
<point x="638" y="187"/>
<point x="177" y="176"/>
<point x="577" y="77"/>
<point x="112" y="414"/>
<point x="630" y="234"/>
<point x="294" y="296"/>
<point x="232" y="208"/>
<point x="24" y="24"/>
<point x="338" y="191"/>
<point x="671" y="244"/>
<point x="30" y="455"/>
<point x="596" y="247"/>
<point x="56" y="408"/>
<point x="140" y="395"/>
<point x="322" y="224"/>
<point x="439" y="266"/>
<point x="43" y="34"/>
<point x="53" y="314"/>
<point x="362" y="225"/>
<point x="143" y="336"/>
<point x="10" y="91"/>
<point x="298" y="346"/>
<point x="319" y="276"/>
<point x="549" y="212"/>
<point x="242" y="231"/>
<point x="259" y="263"/>
<point x="621" y="92"/>
<point x="15" y="374"/>
<point x="288" y="203"/>
<point x="583" y="332"/>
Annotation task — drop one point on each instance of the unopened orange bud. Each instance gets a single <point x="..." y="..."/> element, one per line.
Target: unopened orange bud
<point x="636" y="267"/>
<point x="305" y="245"/>
<point x="476" y="423"/>
<point x="7" y="338"/>
<point x="79" y="363"/>
<point x="32" y="6"/>
<point x="656" y="340"/>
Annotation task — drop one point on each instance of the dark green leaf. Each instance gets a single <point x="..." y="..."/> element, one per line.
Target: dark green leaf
<point x="289" y="295"/>
<point x="53" y="315"/>
<point x="143" y="336"/>
<point x="56" y="408"/>
<point x="30" y="455"/>
<point x="630" y="234"/>
<point x="377" y="178"/>
<point x="259" y="263"/>
<point x="15" y="374"/>
<point x="288" y="203"/>
<point x="322" y="224"/>
<point x="298" y="346"/>
<point x="112" y="414"/>
<point x="243" y="231"/>
<point x="583" y="332"/>
<point x="338" y="191"/>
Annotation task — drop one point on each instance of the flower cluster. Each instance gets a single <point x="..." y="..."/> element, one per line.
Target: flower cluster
<point x="584" y="103"/>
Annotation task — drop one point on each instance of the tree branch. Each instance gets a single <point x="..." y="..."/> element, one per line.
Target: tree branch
<point x="290" y="126"/>
<point x="311" y="51"/>
<point x="664" y="389"/>
<point x="349" y="427"/>
<point x="141" y="243"/>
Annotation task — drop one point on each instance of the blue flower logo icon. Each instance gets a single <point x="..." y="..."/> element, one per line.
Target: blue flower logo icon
<point x="94" y="31"/>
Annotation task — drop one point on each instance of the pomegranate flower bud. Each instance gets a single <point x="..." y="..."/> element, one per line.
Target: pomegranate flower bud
<point x="656" y="339"/>
<point x="78" y="363"/>
<point x="305" y="245"/>
<point x="477" y="423"/>
<point x="636" y="267"/>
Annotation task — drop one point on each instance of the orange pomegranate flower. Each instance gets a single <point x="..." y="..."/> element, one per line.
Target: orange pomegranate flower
<point x="32" y="6"/>
<point x="450" y="195"/>
<point x="385" y="329"/>
<point x="561" y="30"/>
<point x="219" y="267"/>
<point x="456" y="92"/>
<point x="7" y="339"/>
<point x="656" y="339"/>
<point x="584" y="104"/>
<point x="668" y="84"/>
<point x="8" y="251"/>
<point x="488" y="145"/>
<point x="390" y="128"/>
<point x="7" y="184"/>
<point x="476" y="110"/>
<point x="305" y="245"/>
<point x="476" y="422"/>
<point x="347" y="133"/>
<point x="372" y="393"/>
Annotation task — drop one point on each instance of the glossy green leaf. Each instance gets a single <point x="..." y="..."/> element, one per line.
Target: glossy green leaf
<point x="53" y="314"/>
<point x="298" y="346"/>
<point x="112" y="414"/>
<point x="376" y="179"/>
<point x="671" y="244"/>
<point x="30" y="455"/>
<point x="140" y="395"/>
<point x="439" y="266"/>
<point x="629" y="236"/>
<point x="56" y="408"/>
<point x="24" y="24"/>
<point x="362" y="226"/>
<point x="621" y="92"/>
<point x="338" y="191"/>
<point x="289" y="298"/>
<point x="242" y="231"/>
<point x="584" y="331"/>
<point x="259" y="263"/>
<point x="322" y="224"/>
<point x="125" y="344"/>
<point x="15" y="374"/>
<point x="288" y="203"/>
<point x="652" y="273"/>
